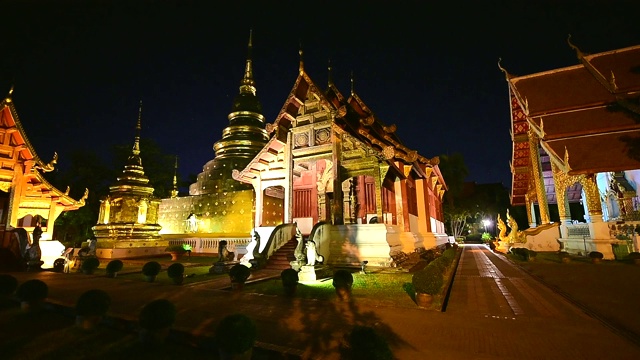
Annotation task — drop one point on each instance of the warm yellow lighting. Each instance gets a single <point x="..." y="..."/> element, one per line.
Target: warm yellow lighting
<point x="51" y="250"/>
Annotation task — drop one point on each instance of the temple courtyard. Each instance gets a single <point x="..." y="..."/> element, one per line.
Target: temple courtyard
<point x="497" y="308"/>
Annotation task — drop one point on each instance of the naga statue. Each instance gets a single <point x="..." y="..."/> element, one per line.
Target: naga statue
<point x="515" y="235"/>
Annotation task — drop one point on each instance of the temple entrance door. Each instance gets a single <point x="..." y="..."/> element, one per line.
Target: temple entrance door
<point x="359" y="194"/>
<point x="273" y="206"/>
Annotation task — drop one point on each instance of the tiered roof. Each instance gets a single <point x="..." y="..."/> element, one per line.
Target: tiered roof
<point x="586" y="115"/>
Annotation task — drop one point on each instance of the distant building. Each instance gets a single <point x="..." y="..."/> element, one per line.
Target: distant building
<point x="327" y="164"/>
<point x="574" y="130"/>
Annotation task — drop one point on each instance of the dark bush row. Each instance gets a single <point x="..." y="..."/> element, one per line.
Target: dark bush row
<point x="523" y="253"/>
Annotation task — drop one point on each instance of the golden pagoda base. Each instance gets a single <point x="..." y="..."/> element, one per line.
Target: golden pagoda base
<point x="131" y="248"/>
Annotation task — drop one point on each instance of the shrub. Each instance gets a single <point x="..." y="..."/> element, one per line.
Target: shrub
<point x="157" y="314"/>
<point x="596" y="255"/>
<point x="440" y="263"/>
<point x="58" y="265"/>
<point x="342" y="279"/>
<point x="176" y="249"/>
<point x="90" y="263"/>
<point x="533" y="253"/>
<point x="8" y="285"/>
<point x="151" y="268"/>
<point x="32" y="290"/>
<point x="289" y="277"/>
<point x="633" y="255"/>
<point x="428" y="255"/>
<point x="428" y="281"/>
<point x="486" y="237"/>
<point x="175" y="270"/>
<point x="236" y="333"/>
<point x="93" y="302"/>
<point x="114" y="266"/>
<point x="449" y="254"/>
<point x="239" y="273"/>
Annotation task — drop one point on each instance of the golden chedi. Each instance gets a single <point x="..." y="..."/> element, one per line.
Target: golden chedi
<point x="128" y="220"/>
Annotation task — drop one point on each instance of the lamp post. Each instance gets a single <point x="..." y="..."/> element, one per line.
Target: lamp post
<point x="486" y="222"/>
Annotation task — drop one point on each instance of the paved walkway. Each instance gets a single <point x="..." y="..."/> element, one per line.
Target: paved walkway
<point x="495" y="311"/>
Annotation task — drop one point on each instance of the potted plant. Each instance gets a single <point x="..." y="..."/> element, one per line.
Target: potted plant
<point x="155" y="322"/>
<point x="635" y="257"/>
<point x="90" y="264"/>
<point x="343" y="282"/>
<point x="113" y="267"/>
<point x="289" y="281"/>
<point x="150" y="270"/>
<point x="427" y="283"/>
<point x="596" y="257"/>
<point x="176" y="251"/>
<point x="176" y="273"/>
<point x="238" y="275"/>
<point x="235" y="337"/>
<point x="58" y="265"/>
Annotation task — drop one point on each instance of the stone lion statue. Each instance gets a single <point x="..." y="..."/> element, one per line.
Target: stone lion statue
<point x="312" y="254"/>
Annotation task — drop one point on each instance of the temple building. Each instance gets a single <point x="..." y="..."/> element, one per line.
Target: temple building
<point x="24" y="191"/>
<point x="128" y="219"/>
<point x="348" y="180"/>
<point x="219" y="206"/>
<point x="576" y="135"/>
<point x="327" y="165"/>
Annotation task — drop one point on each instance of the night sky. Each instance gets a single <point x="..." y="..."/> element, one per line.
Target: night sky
<point x="80" y="68"/>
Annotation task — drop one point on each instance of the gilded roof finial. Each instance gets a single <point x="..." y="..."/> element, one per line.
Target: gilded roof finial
<point x="301" y="58"/>
<point x="330" y="77"/>
<point x="352" y="87"/>
<point x="136" y="141"/>
<point x="579" y="53"/>
<point x="174" y="192"/>
<point x="247" y="84"/>
<point x="8" y="98"/>
<point x="506" y="73"/>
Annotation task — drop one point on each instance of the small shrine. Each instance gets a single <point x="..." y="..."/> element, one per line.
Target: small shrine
<point x="128" y="219"/>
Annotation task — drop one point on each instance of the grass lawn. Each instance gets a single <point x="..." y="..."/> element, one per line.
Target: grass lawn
<point x="385" y="288"/>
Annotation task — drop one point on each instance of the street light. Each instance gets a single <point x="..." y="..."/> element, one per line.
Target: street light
<point x="486" y="222"/>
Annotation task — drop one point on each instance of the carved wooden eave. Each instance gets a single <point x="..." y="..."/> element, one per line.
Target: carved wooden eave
<point x="269" y="159"/>
<point x="378" y="133"/>
<point x="561" y="161"/>
<point x="298" y="94"/>
<point x="21" y="161"/>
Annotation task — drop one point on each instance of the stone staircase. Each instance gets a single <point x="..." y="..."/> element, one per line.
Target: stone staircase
<point x="281" y="259"/>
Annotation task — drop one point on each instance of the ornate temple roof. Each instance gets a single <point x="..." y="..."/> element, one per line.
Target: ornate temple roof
<point x="586" y="115"/>
<point x="241" y="140"/>
<point x="133" y="180"/>
<point x="18" y="149"/>
<point x="353" y="116"/>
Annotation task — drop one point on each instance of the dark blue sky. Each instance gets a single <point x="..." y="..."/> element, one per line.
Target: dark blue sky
<point x="80" y="67"/>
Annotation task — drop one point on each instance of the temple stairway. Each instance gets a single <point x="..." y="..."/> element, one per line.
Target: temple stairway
<point x="281" y="259"/>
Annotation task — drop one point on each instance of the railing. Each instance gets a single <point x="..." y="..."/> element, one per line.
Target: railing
<point x="281" y="235"/>
<point x="204" y="245"/>
<point x="578" y="230"/>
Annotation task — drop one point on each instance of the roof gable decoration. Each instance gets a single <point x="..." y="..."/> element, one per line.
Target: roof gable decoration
<point x="34" y="166"/>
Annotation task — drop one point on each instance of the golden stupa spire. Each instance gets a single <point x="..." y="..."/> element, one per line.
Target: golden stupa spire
<point x="301" y="58"/>
<point x="136" y="141"/>
<point x="329" y="77"/>
<point x="174" y="192"/>
<point x="352" y="87"/>
<point x="8" y="98"/>
<point x="248" y="85"/>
